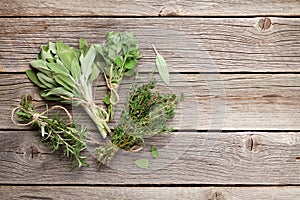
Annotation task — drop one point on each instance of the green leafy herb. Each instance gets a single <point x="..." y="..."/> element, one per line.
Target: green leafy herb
<point x="66" y="74"/>
<point x="154" y="152"/>
<point x="142" y="163"/>
<point x="145" y="115"/>
<point x="118" y="57"/>
<point x="55" y="132"/>
<point x="162" y="67"/>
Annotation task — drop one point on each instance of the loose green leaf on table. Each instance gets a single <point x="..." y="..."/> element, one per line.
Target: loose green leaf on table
<point x="154" y="152"/>
<point x="142" y="163"/>
<point x="162" y="67"/>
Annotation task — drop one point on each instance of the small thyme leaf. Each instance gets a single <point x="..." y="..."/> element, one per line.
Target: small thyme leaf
<point x="142" y="163"/>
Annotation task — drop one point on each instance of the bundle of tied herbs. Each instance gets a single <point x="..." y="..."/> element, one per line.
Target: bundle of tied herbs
<point x="65" y="74"/>
<point x="54" y="131"/>
<point x="145" y="115"/>
<point x="119" y="56"/>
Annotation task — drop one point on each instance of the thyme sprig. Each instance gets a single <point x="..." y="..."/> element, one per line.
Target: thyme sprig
<point x="54" y="131"/>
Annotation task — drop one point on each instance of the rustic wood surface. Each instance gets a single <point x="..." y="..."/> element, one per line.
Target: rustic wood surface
<point x="189" y="44"/>
<point x="149" y="8"/>
<point x="236" y="61"/>
<point x="155" y="193"/>
<point x="251" y="158"/>
<point x="245" y="101"/>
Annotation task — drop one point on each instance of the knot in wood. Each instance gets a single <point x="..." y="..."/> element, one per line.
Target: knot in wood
<point x="264" y="23"/>
<point x="215" y="195"/>
<point x="32" y="152"/>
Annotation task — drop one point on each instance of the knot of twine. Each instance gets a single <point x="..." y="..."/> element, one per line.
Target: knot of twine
<point x="90" y="104"/>
<point x="110" y="85"/>
<point x="36" y="116"/>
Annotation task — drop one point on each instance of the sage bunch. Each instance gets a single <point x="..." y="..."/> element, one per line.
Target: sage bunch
<point x="66" y="74"/>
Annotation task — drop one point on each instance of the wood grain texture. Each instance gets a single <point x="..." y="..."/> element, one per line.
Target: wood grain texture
<point x="155" y="193"/>
<point x="188" y="44"/>
<point x="226" y="101"/>
<point x="259" y="158"/>
<point x="149" y="8"/>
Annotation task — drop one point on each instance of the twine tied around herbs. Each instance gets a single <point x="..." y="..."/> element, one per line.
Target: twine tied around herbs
<point x="110" y="85"/>
<point x="36" y="116"/>
<point x="88" y="104"/>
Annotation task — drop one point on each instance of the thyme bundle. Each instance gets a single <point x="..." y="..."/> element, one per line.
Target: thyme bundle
<point x="145" y="115"/>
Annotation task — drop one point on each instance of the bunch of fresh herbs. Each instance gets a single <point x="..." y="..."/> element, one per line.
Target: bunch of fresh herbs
<point x="54" y="131"/>
<point x="145" y="115"/>
<point x="118" y="57"/>
<point x="66" y="74"/>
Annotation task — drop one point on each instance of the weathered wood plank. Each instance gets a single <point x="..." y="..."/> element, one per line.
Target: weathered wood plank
<point x="266" y="158"/>
<point x="188" y="44"/>
<point x="149" y="8"/>
<point x="155" y="193"/>
<point x="251" y="101"/>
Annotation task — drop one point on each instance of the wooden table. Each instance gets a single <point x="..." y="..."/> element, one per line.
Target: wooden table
<point x="237" y="61"/>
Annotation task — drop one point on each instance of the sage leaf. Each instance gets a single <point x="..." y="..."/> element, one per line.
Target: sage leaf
<point x="65" y="53"/>
<point x="142" y="163"/>
<point x="83" y="45"/>
<point x="51" y="98"/>
<point x="45" y="53"/>
<point x="47" y="81"/>
<point x="75" y="69"/>
<point x="87" y="62"/>
<point x="64" y="81"/>
<point x="154" y="152"/>
<point x="59" y="91"/>
<point x="162" y="67"/>
<point x="57" y="68"/>
<point x="41" y="66"/>
<point x="33" y="77"/>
